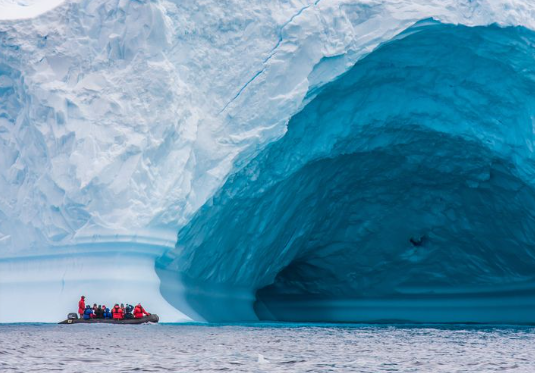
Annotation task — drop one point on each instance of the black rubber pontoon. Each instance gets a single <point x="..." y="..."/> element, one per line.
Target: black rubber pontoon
<point x="151" y="318"/>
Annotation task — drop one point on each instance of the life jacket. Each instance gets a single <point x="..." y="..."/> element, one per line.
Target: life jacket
<point x="117" y="313"/>
<point x="139" y="311"/>
<point x="81" y="306"/>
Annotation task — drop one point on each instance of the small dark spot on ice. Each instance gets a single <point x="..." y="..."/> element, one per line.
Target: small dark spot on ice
<point x="418" y="241"/>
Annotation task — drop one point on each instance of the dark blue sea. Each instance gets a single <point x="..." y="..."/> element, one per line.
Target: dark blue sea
<point x="265" y="348"/>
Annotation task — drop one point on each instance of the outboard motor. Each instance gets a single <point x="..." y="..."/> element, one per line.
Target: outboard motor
<point x="72" y="316"/>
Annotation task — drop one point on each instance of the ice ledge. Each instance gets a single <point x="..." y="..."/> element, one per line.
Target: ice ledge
<point x="148" y="246"/>
<point x="105" y="271"/>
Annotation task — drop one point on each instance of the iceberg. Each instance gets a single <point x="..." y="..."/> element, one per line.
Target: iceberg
<point x="317" y="160"/>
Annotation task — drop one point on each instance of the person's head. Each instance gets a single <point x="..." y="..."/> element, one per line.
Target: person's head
<point x="99" y="307"/>
<point x="122" y="305"/>
<point x="116" y="305"/>
<point x="88" y="306"/>
<point x="83" y="296"/>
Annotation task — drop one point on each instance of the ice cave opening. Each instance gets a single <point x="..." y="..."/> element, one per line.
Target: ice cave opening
<point x="402" y="191"/>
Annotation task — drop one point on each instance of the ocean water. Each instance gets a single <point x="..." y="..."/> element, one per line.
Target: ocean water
<point x="265" y="348"/>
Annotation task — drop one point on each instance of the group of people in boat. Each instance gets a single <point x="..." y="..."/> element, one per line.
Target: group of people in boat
<point x="118" y="312"/>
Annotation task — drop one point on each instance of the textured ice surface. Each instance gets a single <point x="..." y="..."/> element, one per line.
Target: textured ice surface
<point x="120" y="119"/>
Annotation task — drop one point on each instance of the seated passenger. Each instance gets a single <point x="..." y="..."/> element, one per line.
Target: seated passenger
<point x="107" y="313"/>
<point x="88" y="313"/>
<point x="94" y="315"/>
<point x="128" y="312"/>
<point x="117" y="312"/>
<point x="139" y="311"/>
<point x="99" y="313"/>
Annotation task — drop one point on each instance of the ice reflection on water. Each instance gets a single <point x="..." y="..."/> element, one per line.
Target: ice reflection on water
<point x="265" y="347"/>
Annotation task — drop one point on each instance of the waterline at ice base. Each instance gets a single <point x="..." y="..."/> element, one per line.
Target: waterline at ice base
<point x="333" y="161"/>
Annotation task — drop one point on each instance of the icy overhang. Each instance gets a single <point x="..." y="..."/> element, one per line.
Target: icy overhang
<point x="404" y="190"/>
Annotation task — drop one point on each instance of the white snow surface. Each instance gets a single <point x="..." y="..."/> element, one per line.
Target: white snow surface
<point x="119" y="119"/>
<point x="21" y="9"/>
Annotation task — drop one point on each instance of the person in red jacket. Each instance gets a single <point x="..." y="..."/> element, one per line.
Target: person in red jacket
<point x="139" y="311"/>
<point x="81" y="306"/>
<point x="117" y="312"/>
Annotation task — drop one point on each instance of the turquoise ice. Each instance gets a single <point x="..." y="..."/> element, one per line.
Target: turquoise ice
<point x="403" y="191"/>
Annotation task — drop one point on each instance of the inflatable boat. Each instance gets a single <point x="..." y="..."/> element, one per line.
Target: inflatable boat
<point x="146" y="319"/>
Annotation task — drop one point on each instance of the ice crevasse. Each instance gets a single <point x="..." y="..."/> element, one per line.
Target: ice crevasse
<point x="303" y="161"/>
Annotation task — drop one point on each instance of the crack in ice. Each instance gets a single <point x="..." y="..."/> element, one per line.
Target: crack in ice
<point x="270" y="55"/>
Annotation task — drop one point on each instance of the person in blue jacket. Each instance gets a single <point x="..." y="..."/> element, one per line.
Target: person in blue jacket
<point x="88" y="312"/>
<point x="104" y="312"/>
<point x="107" y="313"/>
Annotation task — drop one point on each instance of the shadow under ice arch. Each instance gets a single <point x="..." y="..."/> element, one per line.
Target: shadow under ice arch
<point x="403" y="191"/>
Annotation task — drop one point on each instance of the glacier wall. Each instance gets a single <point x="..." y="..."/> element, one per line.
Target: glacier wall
<point x="120" y="119"/>
<point x="403" y="191"/>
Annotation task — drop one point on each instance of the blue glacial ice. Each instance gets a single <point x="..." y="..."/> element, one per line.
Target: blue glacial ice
<point x="317" y="160"/>
<point x="403" y="191"/>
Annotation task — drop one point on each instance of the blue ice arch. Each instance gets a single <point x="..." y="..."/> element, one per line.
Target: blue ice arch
<point x="404" y="190"/>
